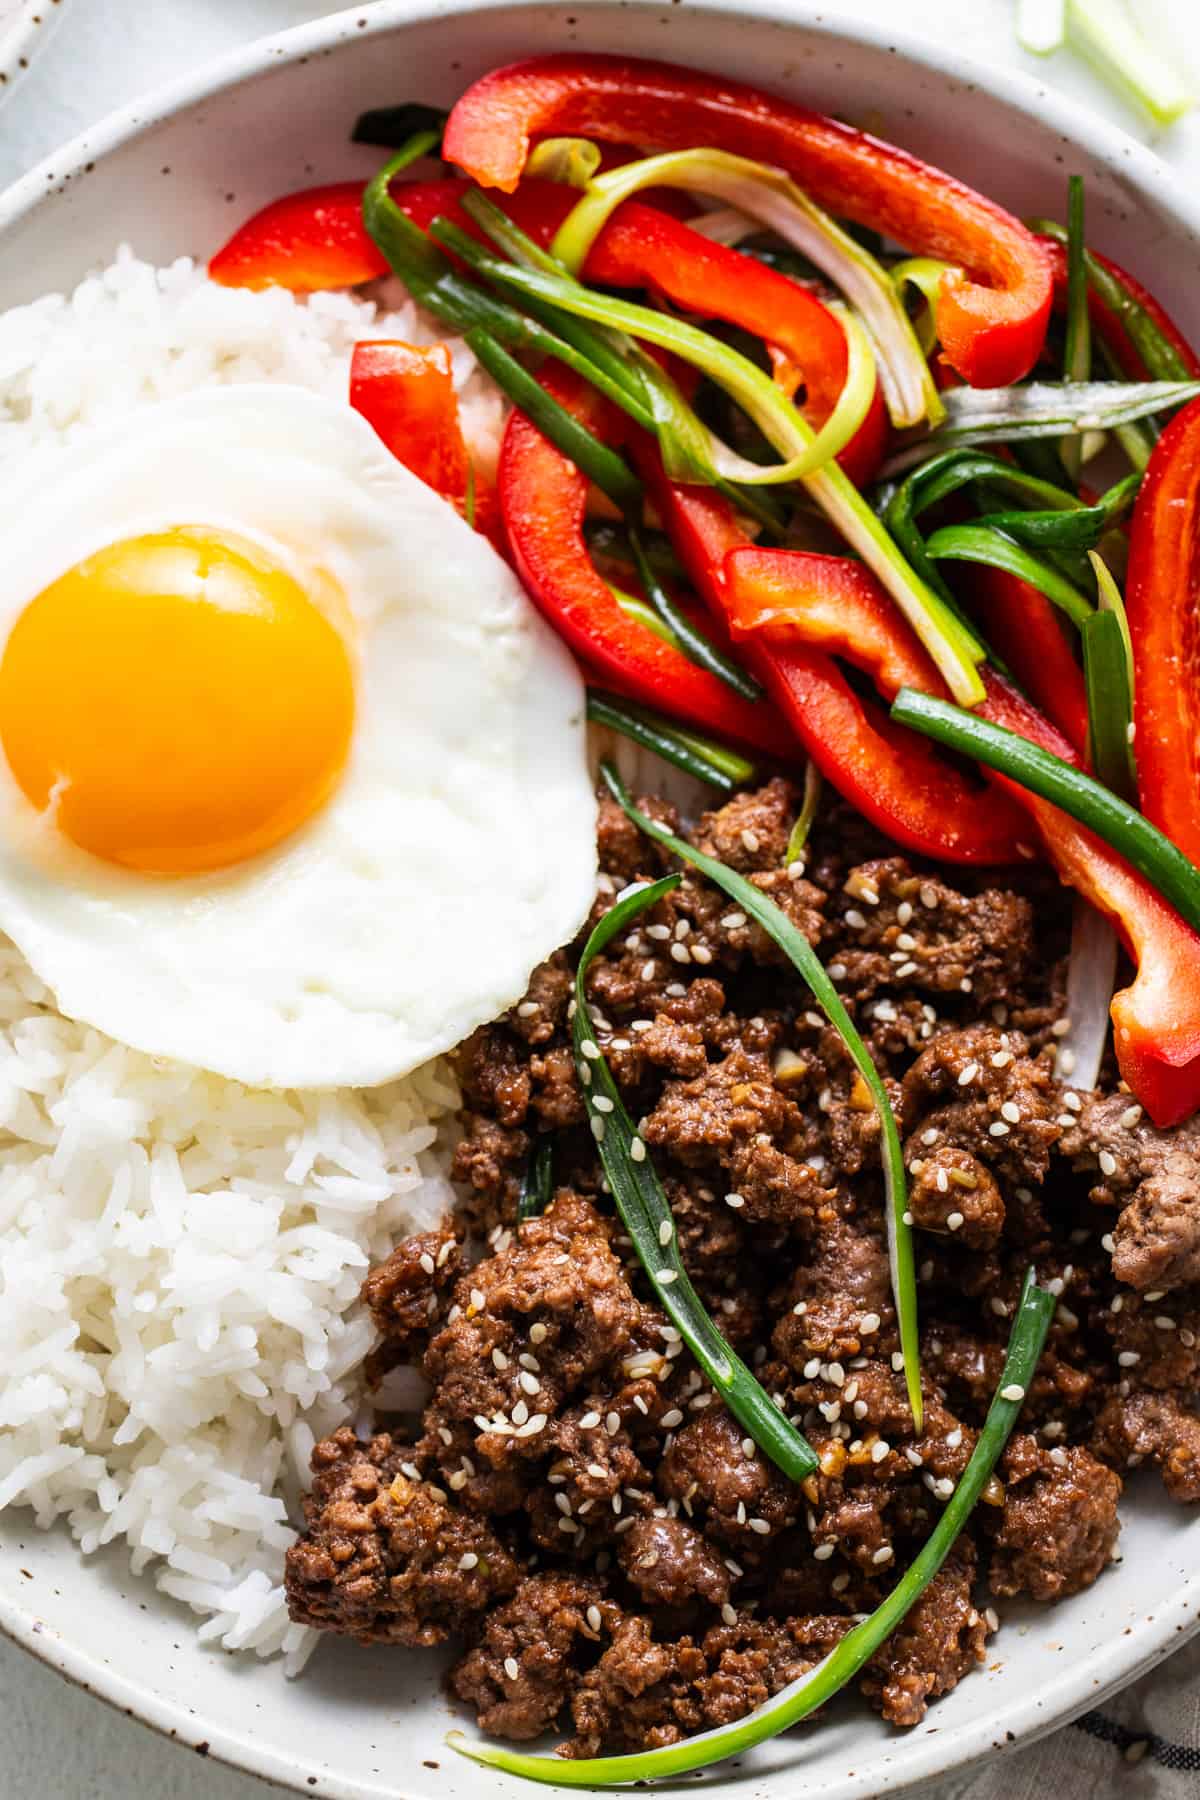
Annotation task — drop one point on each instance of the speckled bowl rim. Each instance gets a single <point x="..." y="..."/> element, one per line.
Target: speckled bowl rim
<point x="21" y="35"/>
<point x="1089" y="1680"/>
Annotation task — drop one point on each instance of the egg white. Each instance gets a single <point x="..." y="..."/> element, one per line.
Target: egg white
<point x="459" y="849"/>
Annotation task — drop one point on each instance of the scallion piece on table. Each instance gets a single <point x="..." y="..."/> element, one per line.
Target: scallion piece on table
<point x="768" y="196"/>
<point x="647" y="1216"/>
<point x="1105" y="33"/>
<point x="610" y="472"/>
<point x="1077" y="351"/>
<point x="807" y="964"/>
<point x="538" y="1183"/>
<point x="1065" y="786"/>
<point x="699" y="756"/>
<point x="804" y="818"/>
<point x="695" y="646"/>
<point x="1038" y="409"/>
<point x="799" y="1699"/>
<point x="982" y="544"/>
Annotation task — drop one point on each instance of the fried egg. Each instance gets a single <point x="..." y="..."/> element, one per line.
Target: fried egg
<point x="294" y="784"/>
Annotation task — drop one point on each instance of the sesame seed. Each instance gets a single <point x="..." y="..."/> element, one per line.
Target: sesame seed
<point x="734" y="1200"/>
<point x="1108" y="1163"/>
<point x="931" y="1136"/>
<point x="660" y="933"/>
<point x="1073" y="1103"/>
<point x="584" y="1071"/>
<point x="535" y="1424"/>
<point x="499" y="1360"/>
<point x="879" y="1450"/>
<point x="1066" y="1120"/>
<point x="914" y="1457"/>
<point x="966" y="984"/>
<point x="589" y="1420"/>
<point x="906" y="1218"/>
<point x="860" y="1409"/>
<point x="680" y="953"/>
<point x="728" y="1614"/>
<point x="836" y="1374"/>
<point x="528" y="1382"/>
<point x="897" y="1360"/>
<point x="597" y="1124"/>
<point x="666" y="1232"/>
<point x="1014" y="1391"/>
<point x="954" y="1438"/>
<point x="676" y="990"/>
<point x="512" y="1668"/>
<point x="750" y="841"/>
<point x="869" y="1322"/>
<point x="1001" y="1059"/>
<point x="967" y="1075"/>
<point x="997" y="1128"/>
<point x="991" y="1618"/>
<point x="1010" y="1111"/>
<point x="954" y="1221"/>
<point x="884" y="1554"/>
<point x="855" y="919"/>
<point x="733" y="920"/>
<point x="1130" y="1117"/>
<point x="822" y="1552"/>
<point x="1066" y="1062"/>
<point x="812" y="1368"/>
<point x="602" y="1103"/>
<point x="612" y="1423"/>
<point x="741" y="1512"/>
<point x="1128" y="1359"/>
<point x="759" y="1526"/>
<point x="520" y="1413"/>
<point x="800" y="1308"/>
<point x="667" y="1276"/>
<point x="649" y="970"/>
<point x="999" y="1307"/>
<point x="537" y="1333"/>
<point x="943" y="1182"/>
<point x="701" y="953"/>
<point x="943" y="1488"/>
<point x="1106" y="1242"/>
<point x="1163" y="1323"/>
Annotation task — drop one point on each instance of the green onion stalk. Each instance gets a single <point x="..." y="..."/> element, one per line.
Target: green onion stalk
<point x="694" y="754"/>
<point x="800" y="1699"/>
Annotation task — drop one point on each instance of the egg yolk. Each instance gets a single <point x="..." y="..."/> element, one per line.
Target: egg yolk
<point x="177" y="702"/>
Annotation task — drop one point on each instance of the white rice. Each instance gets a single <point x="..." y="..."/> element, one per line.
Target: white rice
<point x="180" y="1256"/>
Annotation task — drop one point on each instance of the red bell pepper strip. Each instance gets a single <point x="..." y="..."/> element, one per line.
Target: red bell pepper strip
<point x="316" y="239"/>
<point x="827" y="602"/>
<point x="889" y="774"/>
<point x="543" y="498"/>
<point x="1108" y="324"/>
<point x="1162" y="599"/>
<point x="991" y="321"/>
<point x="1156" y="1020"/>
<point x="1027" y="632"/>
<point x="643" y="247"/>
<point x="408" y="395"/>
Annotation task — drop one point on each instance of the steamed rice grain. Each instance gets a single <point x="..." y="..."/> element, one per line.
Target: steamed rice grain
<point x="181" y="1256"/>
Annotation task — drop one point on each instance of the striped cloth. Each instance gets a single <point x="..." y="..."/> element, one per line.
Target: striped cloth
<point x="1143" y="1744"/>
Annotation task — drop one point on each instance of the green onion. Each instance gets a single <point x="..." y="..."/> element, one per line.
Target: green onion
<point x="1104" y="32"/>
<point x="609" y="542"/>
<point x="807" y="964"/>
<point x="775" y="415"/>
<point x="538" y="1183"/>
<point x="393" y="127"/>
<point x="1111" y="600"/>
<point x="925" y="274"/>
<point x="768" y="196"/>
<point x="1039" y="409"/>
<point x="1085" y="799"/>
<point x="1079" y="529"/>
<point x="808" y="812"/>
<point x="647" y="1216"/>
<point x="1160" y="356"/>
<point x="610" y="472"/>
<point x="702" y="757"/>
<point x="695" y="646"/>
<point x="644" y="613"/>
<point x="980" y="544"/>
<point x="1077" y="352"/>
<point x="1106" y="678"/>
<point x="799" y="1699"/>
<point x="570" y="160"/>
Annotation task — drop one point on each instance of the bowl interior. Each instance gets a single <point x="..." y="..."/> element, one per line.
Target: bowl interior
<point x="172" y="178"/>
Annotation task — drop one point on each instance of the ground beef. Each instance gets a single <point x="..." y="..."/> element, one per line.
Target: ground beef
<point x="615" y="1556"/>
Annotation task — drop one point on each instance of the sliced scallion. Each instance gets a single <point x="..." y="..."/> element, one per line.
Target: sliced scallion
<point x="807" y="964"/>
<point x="804" y="818"/>
<point x="981" y="544"/>
<point x="610" y="472"/>
<point x="799" y="1699"/>
<point x="1109" y="703"/>
<point x="1039" y="409"/>
<point x="1077" y="352"/>
<point x="647" y="1216"/>
<point x="570" y="160"/>
<point x="770" y="197"/>
<point x="702" y="757"/>
<point x="1047" y="775"/>
<point x="1079" y="529"/>
<point x="926" y="275"/>
<point x="538" y="1183"/>
<point x="695" y="646"/>
<point x="1106" y="34"/>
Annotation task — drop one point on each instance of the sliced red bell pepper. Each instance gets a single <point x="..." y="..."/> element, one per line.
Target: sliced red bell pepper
<point x="1026" y="631"/>
<point x="1162" y="598"/>
<point x="408" y="395"/>
<point x="1156" y="1020"/>
<point x="827" y="602"/>
<point x="316" y="239"/>
<point x="543" y="498"/>
<point x="1108" y="324"/>
<point x="992" y="321"/>
<point x="890" y="775"/>
<point x="643" y="247"/>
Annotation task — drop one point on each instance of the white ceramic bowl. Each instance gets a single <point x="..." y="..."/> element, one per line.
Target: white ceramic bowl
<point x="24" y="27"/>
<point x="173" y="175"/>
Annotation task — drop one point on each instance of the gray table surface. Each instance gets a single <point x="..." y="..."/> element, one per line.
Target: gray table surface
<point x="54" y="1741"/>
